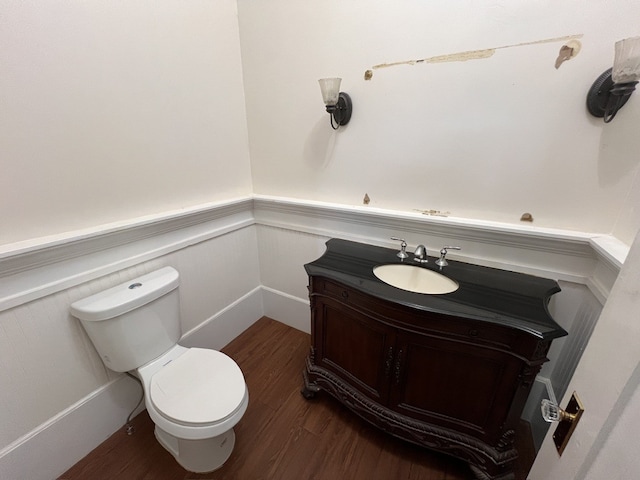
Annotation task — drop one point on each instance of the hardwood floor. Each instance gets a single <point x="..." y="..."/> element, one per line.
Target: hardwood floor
<point x="283" y="436"/>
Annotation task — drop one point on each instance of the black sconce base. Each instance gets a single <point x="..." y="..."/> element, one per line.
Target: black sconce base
<point x="340" y="112"/>
<point x="605" y="97"/>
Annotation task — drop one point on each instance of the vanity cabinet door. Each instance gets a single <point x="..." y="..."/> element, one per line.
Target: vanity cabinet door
<point x="356" y="348"/>
<point x="453" y="384"/>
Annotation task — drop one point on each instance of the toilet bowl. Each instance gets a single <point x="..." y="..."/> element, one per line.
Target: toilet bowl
<point x="194" y="396"/>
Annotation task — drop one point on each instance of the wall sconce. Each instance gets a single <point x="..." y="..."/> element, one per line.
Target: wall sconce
<point x="612" y="89"/>
<point x="338" y="103"/>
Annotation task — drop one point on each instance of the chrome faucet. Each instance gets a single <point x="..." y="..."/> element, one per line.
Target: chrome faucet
<point x="420" y="255"/>
<point x="442" y="262"/>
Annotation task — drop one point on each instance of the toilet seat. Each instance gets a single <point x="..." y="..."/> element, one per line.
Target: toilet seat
<point x="200" y="387"/>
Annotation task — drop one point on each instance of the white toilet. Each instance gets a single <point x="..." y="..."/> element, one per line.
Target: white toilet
<point x="193" y="395"/>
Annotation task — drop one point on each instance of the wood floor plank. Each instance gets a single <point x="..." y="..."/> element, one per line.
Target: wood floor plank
<point x="282" y="436"/>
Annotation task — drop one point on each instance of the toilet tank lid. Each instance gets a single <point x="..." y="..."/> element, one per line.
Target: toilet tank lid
<point x="127" y="296"/>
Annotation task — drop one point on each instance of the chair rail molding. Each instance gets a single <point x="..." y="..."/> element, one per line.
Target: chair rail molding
<point x="586" y="258"/>
<point x="30" y="270"/>
<point x="39" y="267"/>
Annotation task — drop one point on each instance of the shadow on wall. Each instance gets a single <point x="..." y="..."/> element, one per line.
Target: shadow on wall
<point x="320" y="144"/>
<point x="619" y="144"/>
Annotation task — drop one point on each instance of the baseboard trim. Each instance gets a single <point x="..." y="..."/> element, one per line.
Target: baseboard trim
<point x="54" y="446"/>
<point x="287" y="309"/>
<point x="220" y="329"/>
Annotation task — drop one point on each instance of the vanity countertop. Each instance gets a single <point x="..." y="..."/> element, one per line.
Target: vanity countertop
<point x="497" y="296"/>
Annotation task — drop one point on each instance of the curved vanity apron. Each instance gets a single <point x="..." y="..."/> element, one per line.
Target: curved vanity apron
<point x="199" y="387"/>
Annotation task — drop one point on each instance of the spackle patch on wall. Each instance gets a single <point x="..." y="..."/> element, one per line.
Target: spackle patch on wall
<point x="567" y="52"/>
<point x="452" y="57"/>
<point x="571" y="43"/>
<point x="433" y="213"/>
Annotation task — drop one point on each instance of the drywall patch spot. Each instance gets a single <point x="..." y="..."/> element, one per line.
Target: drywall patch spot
<point x="526" y="217"/>
<point x="368" y="75"/>
<point x="571" y="42"/>
<point x="366" y="199"/>
<point x="433" y="213"/>
<point x="567" y="52"/>
<point x="461" y="56"/>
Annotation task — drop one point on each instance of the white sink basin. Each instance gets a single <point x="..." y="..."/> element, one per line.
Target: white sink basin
<point x="415" y="279"/>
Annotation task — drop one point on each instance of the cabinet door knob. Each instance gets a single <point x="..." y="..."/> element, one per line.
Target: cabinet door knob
<point x="345" y="294"/>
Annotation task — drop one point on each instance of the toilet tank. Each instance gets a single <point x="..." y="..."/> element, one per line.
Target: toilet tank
<point x="135" y="322"/>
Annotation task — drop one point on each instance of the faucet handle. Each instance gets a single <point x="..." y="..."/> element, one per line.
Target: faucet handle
<point x="403" y="247"/>
<point x="442" y="262"/>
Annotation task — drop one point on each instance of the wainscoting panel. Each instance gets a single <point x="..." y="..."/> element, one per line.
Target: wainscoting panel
<point x="49" y="369"/>
<point x="583" y="319"/>
<point x="287" y="309"/>
<point x="226" y="325"/>
<point x="51" y="448"/>
<point x="283" y="254"/>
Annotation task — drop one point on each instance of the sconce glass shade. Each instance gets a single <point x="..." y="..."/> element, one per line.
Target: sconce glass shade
<point x="626" y="65"/>
<point x="611" y="90"/>
<point x="330" y="88"/>
<point x="338" y="104"/>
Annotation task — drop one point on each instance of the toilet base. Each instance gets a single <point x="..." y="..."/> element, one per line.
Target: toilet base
<point x="198" y="456"/>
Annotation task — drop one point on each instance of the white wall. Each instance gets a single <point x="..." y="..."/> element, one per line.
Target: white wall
<point x="629" y="220"/>
<point x="114" y="110"/>
<point x="604" y="444"/>
<point x="612" y="458"/>
<point x="490" y="138"/>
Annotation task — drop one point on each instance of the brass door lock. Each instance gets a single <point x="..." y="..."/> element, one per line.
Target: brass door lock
<point x="567" y="419"/>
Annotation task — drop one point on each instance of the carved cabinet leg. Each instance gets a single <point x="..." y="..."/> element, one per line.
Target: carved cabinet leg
<point x="309" y="389"/>
<point x="307" y="393"/>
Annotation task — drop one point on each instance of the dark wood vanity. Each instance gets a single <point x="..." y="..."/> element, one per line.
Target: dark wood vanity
<point x="449" y="372"/>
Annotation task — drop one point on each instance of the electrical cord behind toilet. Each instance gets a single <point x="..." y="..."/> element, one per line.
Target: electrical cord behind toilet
<point x="130" y="428"/>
